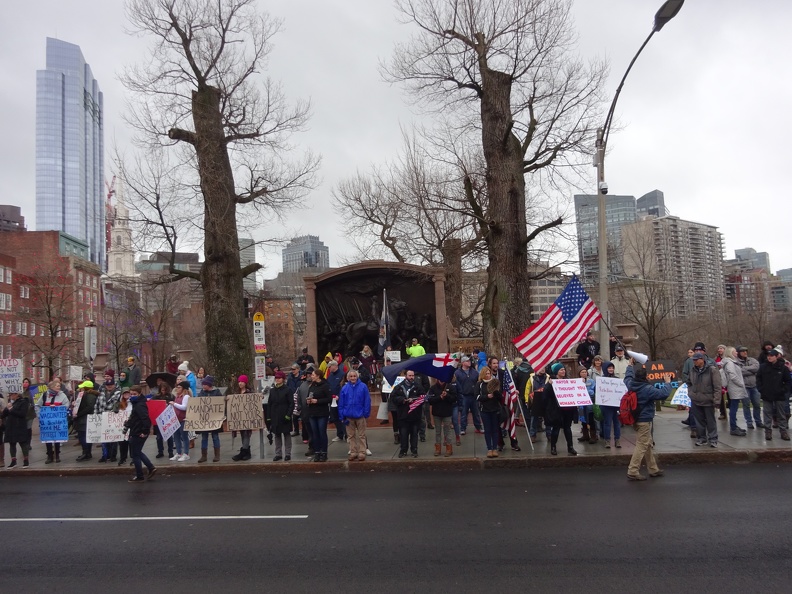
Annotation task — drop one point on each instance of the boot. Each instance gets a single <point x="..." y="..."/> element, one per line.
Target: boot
<point x="784" y="434"/>
<point x="396" y="439"/>
<point x="593" y="434"/>
<point x="57" y="458"/>
<point x="571" y="451"/>
<point x="239" y="456"/>
<point x="203" y="455"/>
<point x="192" y="444"/>
<point x="768" y="434"/>
<point x="437" y="449"/>
<point x="449" y="451"/>
<point x="49" y="459"/>
<point x="246" y="454"/>
<point x="585" y="435"/>
<point x="216" y="455"/>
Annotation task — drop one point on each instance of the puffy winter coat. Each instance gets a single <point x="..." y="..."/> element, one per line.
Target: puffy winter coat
<point x="354" y="401"/>
<point x="732" y="379"/>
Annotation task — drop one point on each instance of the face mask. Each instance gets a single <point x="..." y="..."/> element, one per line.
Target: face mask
<point x="134" y="398"/>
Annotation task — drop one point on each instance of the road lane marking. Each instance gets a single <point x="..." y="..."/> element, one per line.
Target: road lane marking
<point x="152" y="518"/>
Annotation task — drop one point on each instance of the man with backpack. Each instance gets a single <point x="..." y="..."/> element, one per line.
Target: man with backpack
<point x="643" y="415"/>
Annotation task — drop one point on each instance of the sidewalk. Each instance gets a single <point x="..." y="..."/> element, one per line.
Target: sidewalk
<point x="673" y="446"/>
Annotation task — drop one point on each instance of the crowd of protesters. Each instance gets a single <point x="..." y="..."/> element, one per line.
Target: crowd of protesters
<point x="307" y="397"/>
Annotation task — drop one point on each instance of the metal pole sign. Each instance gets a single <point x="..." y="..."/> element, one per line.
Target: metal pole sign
<point x="259" y="340"/>
<point x="261" y="367"/>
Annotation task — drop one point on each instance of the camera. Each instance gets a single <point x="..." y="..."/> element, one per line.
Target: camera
<point x="603" y="187"/>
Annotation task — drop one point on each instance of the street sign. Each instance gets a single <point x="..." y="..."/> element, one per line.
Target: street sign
<point x="259" y="340"/>
<point x="261" y="368"/>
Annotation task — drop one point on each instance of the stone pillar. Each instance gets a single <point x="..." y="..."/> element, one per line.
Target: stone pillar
<point x="311" y="339"/>
<point x="441" y="317"/>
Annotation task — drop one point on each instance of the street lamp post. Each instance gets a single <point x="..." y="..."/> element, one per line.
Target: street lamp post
<point x="667" y="11"/>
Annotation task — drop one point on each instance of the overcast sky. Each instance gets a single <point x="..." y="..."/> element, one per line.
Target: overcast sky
<point x="705" y="113"/>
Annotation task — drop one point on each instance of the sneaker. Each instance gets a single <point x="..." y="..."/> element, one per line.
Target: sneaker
<point x="151" y="473"/>
<point x="368" y="452"/>
<point x="713" y="444"/>
<point x="335" y="439"/>
<point x="738" y="432"/>
<point x="415" y="454"/>
<point x="480" y="431"/>
<point x="750" y="426"/>
<point x="657" y="474"/>
<point x="701" y="442"/>
<point x="286" y="458"/>
<point x="607" y="445"/>
<point x="277" y="458"/>
<point x="294" y="434"/>
<point x="785" y="435"/>
<point x="26" y="463"/>
<point x="423" y="438"/>
<point x="462" y="432"/>
<point x="618" y="444"/>
<point x="402" y="454"/>
<point x="174" y="458"/>
<point x="159" y="455"/>
<point x="13" y="464"/>
<point x="636" y="477"/>
<point x="516" y="448"/>
<point x="136" y="479"/>
<point x="183" y="458"/>
<point x="760" y="425"/>
<point x="458" y="441"/>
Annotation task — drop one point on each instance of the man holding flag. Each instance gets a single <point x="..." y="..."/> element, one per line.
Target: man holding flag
<point x="409" y="402"/>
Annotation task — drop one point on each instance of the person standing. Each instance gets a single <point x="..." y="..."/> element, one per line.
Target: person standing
<point x="556" y="417"/>
<point x="139" y="426"/>
<point x="301" y="405"/>
<point x="610" y="414"/>
<point x="587" y="350"/>
<point x="749" y="367"/>
<point x="105" y="402"/>
<point x="732" y="380"/>
<point x="208" y="389"/>
<point x="53" y="397"/>
<point x="133" y="371"/>
<point x="14" y="417"/>
<point x="408" y="399"/>
<point x="184" y="368"/>
<point x="318" y="401"/>
<point x="245" y="434"/>
<point x="443" y="399"/>
<point x="489" y="399"/>
<point x="415" y="349"/>
<point x="467" y="389"/>
<point x="335" y="377"/>
<point x="646" y="394"/>
<point x="705" y="397"/>
<point x="535" y="400"/>
<point x="354" y="408"/>
<point x="620" y="362"/>
<point x="293" y="382"/>
<point x="181" y="439"/>
<point x="84" y="405"/>
<point x="774" y="383"/>
<point x="278" y="414"/>
<point x="163" y="393"/>
<point x="123" y="445"/>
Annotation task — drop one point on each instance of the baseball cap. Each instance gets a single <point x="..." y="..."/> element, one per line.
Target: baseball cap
<point x="697" y="356"/>
<point x="699" y="346"/>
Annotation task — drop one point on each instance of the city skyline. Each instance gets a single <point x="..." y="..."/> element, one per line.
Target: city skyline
<point x="670" y="119"/>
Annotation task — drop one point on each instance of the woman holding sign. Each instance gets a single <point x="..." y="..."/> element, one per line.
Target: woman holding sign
<point x="557" y="417"/>
<point x="53" y="397"/>
<point x="245" y="434"/>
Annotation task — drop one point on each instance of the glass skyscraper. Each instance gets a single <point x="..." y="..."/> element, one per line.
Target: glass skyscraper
<point x="306" y="251"/>
<point x="70" y="149"/>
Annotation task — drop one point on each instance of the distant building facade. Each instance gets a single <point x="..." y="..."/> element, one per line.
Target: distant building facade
<point x="11" y="218"/>
<point x="306" y="251"/>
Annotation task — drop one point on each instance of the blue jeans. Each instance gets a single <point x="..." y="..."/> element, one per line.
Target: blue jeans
<point x="318" y="434"/>
<point x="610" y="416"/>
<point x="733" y="406"/>
<point x="491" y="429"/>
<point x="536" y="421"/>
<point x="205" y="439"/>
<point x="138" y="457"/>
<point x="181" y="440"/>
<point x="469" y="404"/>
<point x="455" y="414"/>
<point x="755" y="400"/>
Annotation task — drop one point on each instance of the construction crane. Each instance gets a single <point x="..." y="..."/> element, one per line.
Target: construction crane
<point x="109" y="213"/>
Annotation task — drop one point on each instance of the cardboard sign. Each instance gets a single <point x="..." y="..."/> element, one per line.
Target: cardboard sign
<point x="681" y="396"/>
<point x="245" y="412"/>
<point x="571" y="392"/>
<point x="656" y="369"/>
<point x="53" y="424"/>
<point x="610" y="391"/>
<point x="10" y="376"/>
<point x="168" y="422"/>
<point x="93" y="429"/>
<point x="113" y="425"/>
<point x="205" y="413"/>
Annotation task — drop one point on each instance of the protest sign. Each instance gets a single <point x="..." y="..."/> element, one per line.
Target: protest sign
<point x="53" y="425"/>
<point x="571" y="392"/>
<point x="610" y="391"/>
<point x="245" y="412"/>
<point x="155" y="408"/>
<point x="393" y="356"/>
<point x="168" y="422"/>
<point x="10" y="376"/>
<point x="388" y="388"/>
<point x="93" y="429"/>
<point x="74" y="373"/>
<point x="681" y="396"/>
<point x="205" y="413"/>
<point x="113" y="425"/>
<point x="656" y="370"/>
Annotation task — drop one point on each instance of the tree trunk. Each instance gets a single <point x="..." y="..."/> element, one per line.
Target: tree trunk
<point x="230" y="351"/>
<point x="506" y="311"/>
<point x="452" y="260"/>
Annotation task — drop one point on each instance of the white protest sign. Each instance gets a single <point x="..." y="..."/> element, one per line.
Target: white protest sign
<point x="261" y="367"/>
<point x="168" y="422"/>
<point x="10" y="376"/>
<point x="610" y="391"/>
<point x="571" y="392"/>
<point x="387" y="388"/>
<point x="74" y="373"/>
<point x="113" y="425"/>
<point x="93" y="429"/>
<point x="681" y="396"/>
<point x="393" y="356"/>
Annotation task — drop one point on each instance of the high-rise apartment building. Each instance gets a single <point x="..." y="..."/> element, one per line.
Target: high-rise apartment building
<point x="306" y="251"/>
<point x="751" y="259"/>
<point x="11" y="218"/>
<point x="651" y="204"/>
<point x="70" y="149"/>
<point x="619" y="211"/>
<point x="247" y="256"/>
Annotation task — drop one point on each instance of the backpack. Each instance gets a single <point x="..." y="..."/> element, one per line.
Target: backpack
<point x="628" y="408"/>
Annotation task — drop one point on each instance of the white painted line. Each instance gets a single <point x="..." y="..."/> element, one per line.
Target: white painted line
<point x="152" y="518"/>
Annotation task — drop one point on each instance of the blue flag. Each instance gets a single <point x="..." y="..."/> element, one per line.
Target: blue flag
<point x="437" y="365"/>
<point x="384" y="330"/>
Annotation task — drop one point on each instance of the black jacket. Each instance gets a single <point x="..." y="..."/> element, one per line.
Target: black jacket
<point x="320" y="391"/>
<point x="773" y="381"/>
<point x="139" y="421"/>
<point x="15" y="421"/>
<point x="87" y="405"/>
<point x="280" y="405"/>
<point x="555" y="416"/>
<point x="443" y="407"/>
<point x="486" y="404"/>
<point x="399" y="396"/>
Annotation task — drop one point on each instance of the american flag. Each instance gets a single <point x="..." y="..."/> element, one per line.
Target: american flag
<point x="563" y="324"/>
<point x="416" y="403"/>
<point x="511" y="402"/>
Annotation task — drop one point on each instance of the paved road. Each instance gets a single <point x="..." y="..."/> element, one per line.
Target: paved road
<point x="699" y="529"/>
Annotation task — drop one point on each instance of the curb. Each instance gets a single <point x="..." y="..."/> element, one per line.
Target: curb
<point x="426" y="465"/>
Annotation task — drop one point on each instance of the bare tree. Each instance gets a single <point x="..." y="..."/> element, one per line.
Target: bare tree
<point x="506" y="65"/>
<point x="201" y="90"/>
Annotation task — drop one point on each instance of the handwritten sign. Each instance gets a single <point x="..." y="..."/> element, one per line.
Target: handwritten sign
<point x="168" y="422"/>
<point x="387" y="388"/>
<point x="571" y="392"/>
<point x="53" y="425"/>
<point x="393" y="356"/>
<point x="10" y="376"/>
<point x="245" y="412"/>
<point x="610" y="391"/>
<point x="656" y="369"/>
<point x="205" y="413"/>
<point x="113" y="425"/>
<point x="681" y="396"/>
<point x="74" y="373"/>
<point x="93" y="429"/>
